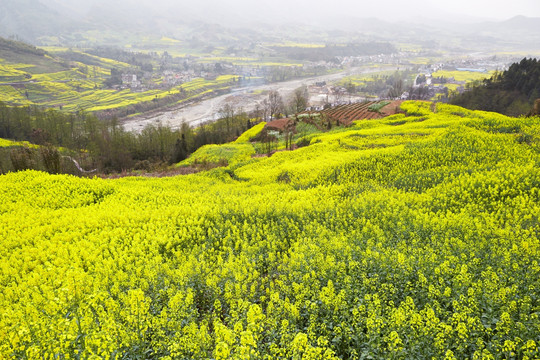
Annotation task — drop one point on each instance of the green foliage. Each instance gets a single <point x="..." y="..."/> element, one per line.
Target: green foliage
<point x="305" y="129"/>
<point x="377" y="107"/>
<point x="511" y="92"/>
<point x="107" y="146"/>
<point x="19" y="156"/>
<point x="410" y="241"/>
<point x="330" y="52"/>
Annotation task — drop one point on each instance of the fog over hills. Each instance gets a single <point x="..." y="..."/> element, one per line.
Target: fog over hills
<point x="307" y="11"/>
<point x="419" y="20"/>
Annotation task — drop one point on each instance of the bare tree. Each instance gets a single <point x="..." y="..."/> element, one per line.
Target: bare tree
<point x="419" y="92"/>
<point x="265" y="110"/>
<point x="300" y="99"/>
<point x="288" y="132"/>
<point x="397" y="89"/>
<point x="339" y="95"/>
<point x="275" y="104"/>
<point x="351" y="88"/>
<point x="227" y="113"/>
<point x="258" y="112"/>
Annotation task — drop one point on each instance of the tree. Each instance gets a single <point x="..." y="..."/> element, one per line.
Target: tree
<point x="396" y="90"/>
<point x="351" y="88"/>
<point x="300" y="99"/>
<point x="289" y="133"/>
<point x="419" y="92"/>
<point x="115" y="79"/>
<point x="511" y="92"/>
<point x="180" y="149"/>
<point x="339" y="95"/>
<point x="275" y="104"/>
<point x="227" y="113"/>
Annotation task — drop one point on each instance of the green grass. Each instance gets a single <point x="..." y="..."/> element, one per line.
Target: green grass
<point x="363" y="79"/>
<point x="377" y="107"/>
<point x="11" y="73"/>
<point x="9" y="94"/>
<point x="421" y="61"/>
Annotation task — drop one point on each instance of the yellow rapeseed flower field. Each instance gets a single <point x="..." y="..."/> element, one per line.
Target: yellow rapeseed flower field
<point x="410" y="237"/>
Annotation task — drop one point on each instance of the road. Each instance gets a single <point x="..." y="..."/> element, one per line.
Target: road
<point x="245" y="98"/>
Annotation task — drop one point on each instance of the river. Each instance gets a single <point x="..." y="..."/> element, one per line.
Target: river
<point x="245" y="98"/>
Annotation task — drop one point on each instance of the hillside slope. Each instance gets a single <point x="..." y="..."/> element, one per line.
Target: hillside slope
<point x="414" y="236"/>
<point x="74" y="80"/>
<point x="512" y="92"/>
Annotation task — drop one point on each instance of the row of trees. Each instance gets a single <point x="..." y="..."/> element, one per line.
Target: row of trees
<point x="274" y="106"/>
<point x="104" y="144"/>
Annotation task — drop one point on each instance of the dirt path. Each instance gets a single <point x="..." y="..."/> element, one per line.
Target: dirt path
<point x="245" y="98"/>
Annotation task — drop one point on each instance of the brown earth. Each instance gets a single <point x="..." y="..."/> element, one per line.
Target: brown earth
<point x="346" y="114"/>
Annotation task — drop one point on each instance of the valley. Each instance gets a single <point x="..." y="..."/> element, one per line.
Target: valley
<point x="289" y="179"/>
<point x="246" y="99"/>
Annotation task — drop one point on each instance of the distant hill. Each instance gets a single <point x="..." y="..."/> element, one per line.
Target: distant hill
<point x="18" y="47"/>
<point x="522" y="23"/>
<point x="30" y="19"/>
<point x="519" y="32"/>
<point x="512" y="92"/>
<point x="16" y="54"/>
<point x="99" y="22"/>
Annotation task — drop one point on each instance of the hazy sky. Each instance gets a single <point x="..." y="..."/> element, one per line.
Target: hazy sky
<point x="229" y="11"/>
<point x="328" y="13"/>
<point x="495" y="9"/>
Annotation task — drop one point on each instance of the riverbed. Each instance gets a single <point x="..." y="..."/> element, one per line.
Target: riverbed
<point x="246" y="99"/>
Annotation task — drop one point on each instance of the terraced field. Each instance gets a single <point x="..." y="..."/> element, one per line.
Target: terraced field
<point x="463" y="76"/>
<point x="82" y="87"/>
<point x="35" y="77"/>
<point x="346" y="114"/>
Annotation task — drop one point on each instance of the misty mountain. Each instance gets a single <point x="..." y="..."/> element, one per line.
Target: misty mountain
<point x="521" y="23"/>
<point x="30" y="19"/>
<point x="227" y="22"/>
<point x="519" y="32"/>
<point x="71" y="9"/>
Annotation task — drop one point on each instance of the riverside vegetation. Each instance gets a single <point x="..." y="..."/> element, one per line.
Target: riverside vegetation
<point x="413" y="236"/>
<point x="101" y="144"/>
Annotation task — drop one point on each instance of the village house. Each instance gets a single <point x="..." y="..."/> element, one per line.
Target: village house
<point x="131" y="81"/>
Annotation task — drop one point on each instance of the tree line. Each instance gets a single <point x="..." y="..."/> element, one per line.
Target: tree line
<point x="511" y="92"/>
<point x="99" y="142"/>
<point x="104" y="145"/>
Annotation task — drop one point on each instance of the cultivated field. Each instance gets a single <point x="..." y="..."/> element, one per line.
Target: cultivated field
<point x="464" y="76"/>
<point x="409" y="237"/>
